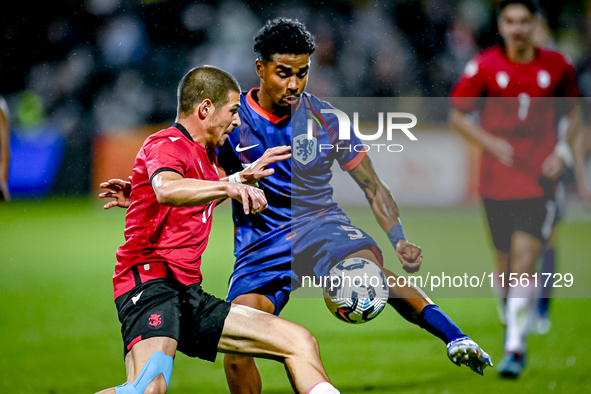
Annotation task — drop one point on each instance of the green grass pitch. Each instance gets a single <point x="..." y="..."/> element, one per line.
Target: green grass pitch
<point x="60" y="334"/>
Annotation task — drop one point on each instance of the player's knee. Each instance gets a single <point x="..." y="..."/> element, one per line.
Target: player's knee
<point x="524" y="260"/>
<point x="305" y="344"/>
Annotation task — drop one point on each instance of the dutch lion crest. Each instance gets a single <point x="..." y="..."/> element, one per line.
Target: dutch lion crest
<point x="304" y="149"/>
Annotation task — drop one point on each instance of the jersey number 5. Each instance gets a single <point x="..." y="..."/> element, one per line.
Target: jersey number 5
<point x="355" y="233"/>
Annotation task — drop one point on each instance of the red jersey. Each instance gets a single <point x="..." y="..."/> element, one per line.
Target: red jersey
<point x="163" y="241"/>
<point x="516" y="102"/>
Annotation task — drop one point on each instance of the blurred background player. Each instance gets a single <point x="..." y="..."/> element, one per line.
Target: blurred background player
<point x="158" y="294"/>
<point x="4" y="150"/>
<point x="304" y="231"/>
<point x="522" y="158"/>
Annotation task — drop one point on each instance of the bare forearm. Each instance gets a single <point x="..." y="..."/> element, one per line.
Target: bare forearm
<point x="379" y="197"/>
<point x="472" y="131"/>
<point x="174" y="190"/>
<point x="384" y="207"/>
<point x="563" y="151"/>
<point x="386" y="212"/>
<point x="501" y="149"/>
<point x="189" y="192"/>
<point x="574" y="122"/>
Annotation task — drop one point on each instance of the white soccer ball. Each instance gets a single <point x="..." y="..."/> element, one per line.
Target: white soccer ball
<point x="356" y="291"/>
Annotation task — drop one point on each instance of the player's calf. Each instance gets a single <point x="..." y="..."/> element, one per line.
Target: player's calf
<point x="302" y="348"/>
<point x="242" y="374"/>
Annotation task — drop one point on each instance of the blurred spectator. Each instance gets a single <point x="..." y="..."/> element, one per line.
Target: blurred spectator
<point x="122" y="54"/>
<point x="122" y="41"/>
<point x="100" y="65"/>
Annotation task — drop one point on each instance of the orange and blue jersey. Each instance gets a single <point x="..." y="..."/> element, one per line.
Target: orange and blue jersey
<point x="303" y="231"/>
<point x="300" y="186"/>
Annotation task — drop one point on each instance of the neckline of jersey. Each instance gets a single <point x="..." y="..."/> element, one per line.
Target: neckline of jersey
<point x="252" y="103"/>
<point x="503" y="52"/>
<point x="183" y="130"/>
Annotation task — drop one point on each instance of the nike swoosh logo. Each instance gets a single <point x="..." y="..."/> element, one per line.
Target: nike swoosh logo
<point x="243" y="148"/>
<point x="173" y="139"/>
<point x="136" y="298"/>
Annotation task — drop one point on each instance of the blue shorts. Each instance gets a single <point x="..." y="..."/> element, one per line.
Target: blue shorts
<point x="274" y="264"/>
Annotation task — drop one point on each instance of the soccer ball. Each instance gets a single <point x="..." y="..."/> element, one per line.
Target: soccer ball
<point x="356" y="291"/>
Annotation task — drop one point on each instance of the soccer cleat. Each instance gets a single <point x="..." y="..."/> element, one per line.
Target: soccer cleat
<point x="466" y="351"/>
<point x="511" y="366"/>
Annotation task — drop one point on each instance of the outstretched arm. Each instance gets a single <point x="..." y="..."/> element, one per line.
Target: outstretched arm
<point x="121" y="190"/>
<point x="173" y="190"/>
<point x="386" y="212"/>
<point x="258" y="170"/>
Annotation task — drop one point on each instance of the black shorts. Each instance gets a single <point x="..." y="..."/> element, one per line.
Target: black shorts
<point x="166" y="308"/>
<point x="534" y="216"/>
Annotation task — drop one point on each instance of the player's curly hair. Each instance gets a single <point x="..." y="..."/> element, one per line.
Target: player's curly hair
<point x="529" y="4"/>
<point x="283" y="35"/>
<point x="205" y="82"/>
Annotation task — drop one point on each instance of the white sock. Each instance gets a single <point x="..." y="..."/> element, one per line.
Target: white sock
<point x="501" y="294"/>
<point x="323" y="388"/>
<point x="520" y="305"/>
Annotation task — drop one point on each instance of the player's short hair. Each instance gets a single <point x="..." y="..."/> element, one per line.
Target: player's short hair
<point x="281" y="36"/>
<point x="205" y="82"/>
<point x="529" y="4"/>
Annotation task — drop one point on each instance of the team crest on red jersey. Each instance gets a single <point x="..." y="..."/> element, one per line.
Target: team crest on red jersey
<point x="155" y="320"/>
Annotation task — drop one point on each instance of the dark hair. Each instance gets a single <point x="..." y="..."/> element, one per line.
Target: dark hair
<point x="529" y="4"/>
<point x="205" y="82"/>
<point x="283" y="36"/>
